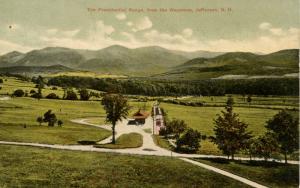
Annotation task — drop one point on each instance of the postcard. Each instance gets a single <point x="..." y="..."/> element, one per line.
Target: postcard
<point x="149" y="93"/>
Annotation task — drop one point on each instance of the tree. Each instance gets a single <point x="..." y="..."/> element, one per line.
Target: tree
<point x="60" y="122"/>
<point x="40" y="82"/>
<point x="116" y="108"/>
<point x="36" y="95"/>
<point x="52" y="96"/>
<point x="286" y="129"/>
<point x="84" y="94"/>
<point x="39" y="93"/>
<point x="264" y="146"/>
<point x="71" y="95"/>
<point x="1" y="81"/>
<point x="230" y="133"/>
<point x="189" y="142"/>
<point x="50" y="118"/>
<point x="19" y="93"/>
<point x="249" y="99"/>
<point x="175" y="127"/>
<point x="40" y="120"/>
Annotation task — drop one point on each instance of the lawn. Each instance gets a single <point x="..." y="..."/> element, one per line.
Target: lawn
<point x="130" y="140"/>
<point x="33" y="167"/>
<point x="266" y="173"/>
<point x="256" y="101"/>
<point x="17" y="113"/>
<point x="201" y="118"/>
<point x="161" y="142"/>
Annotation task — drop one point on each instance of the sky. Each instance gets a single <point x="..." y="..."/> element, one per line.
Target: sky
<point x="213" y="25"/>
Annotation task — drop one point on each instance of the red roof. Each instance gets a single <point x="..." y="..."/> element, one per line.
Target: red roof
<point x="140" y="115"/>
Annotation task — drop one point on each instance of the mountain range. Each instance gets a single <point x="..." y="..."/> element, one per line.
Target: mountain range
<point x="152" y="61"/>
<point x="114" y="59"/>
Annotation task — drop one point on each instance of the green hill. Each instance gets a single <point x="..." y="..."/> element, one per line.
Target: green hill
<point x="34" y="69"/>
<point x="237" y="65"/>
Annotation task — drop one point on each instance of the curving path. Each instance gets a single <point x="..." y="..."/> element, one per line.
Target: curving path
<point x="148" y="148"/>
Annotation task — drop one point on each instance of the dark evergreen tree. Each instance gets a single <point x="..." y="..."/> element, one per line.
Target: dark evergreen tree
<point x="231" y="134"/>
<point x="189" y="141"/>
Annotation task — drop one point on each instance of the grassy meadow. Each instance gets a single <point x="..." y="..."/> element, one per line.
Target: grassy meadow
<point x="201" y="118"/>
<point x="17" y="112"/>
<point x="58" y="168"/>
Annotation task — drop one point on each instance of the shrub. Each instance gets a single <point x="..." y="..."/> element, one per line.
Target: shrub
<point x="84" y="94"/>
<point x="50" y="118"/>
<point x="19" y="93"/>
<point x="189" y="142"/>
<point x="71" y="95"/>
<point x="1" y="81"/>
<point x="32" y="91"/>
<point x="87" y="142"/>
<point x="52" y="96"/>
<point x="36" y="95"/>
<point x="60" y="122"/>
<point x="54" y="88"/>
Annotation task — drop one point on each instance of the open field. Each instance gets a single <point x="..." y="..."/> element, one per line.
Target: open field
<point x="19" y="111"/>
<point x="81" y="169"/>
<point x="241" y="101"/>
<point x="266" y="173"/>
<point x="131" y="140"/>
<point x="201" y="118"/>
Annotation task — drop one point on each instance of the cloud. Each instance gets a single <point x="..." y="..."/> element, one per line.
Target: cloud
<point x="121" y="16"/>
<point x="187" y="32"/>
<point x="98" y="36"/>
<point x="172" y="41"/>
<point x="142" y="24"/>
<point x="70" y="33"/>
<point x="265" y="26"/>
<point x="275" y="41"/>
<point x="51" y="31"/>
<point x="103" y="29"/>
<point x="7" y="46"/>
<point x="268" y="27"/>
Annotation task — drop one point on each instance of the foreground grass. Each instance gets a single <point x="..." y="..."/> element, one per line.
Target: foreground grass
<point x="131" y="140"/>
<point x="267" y="173"/>
<point x="34" y="167"/>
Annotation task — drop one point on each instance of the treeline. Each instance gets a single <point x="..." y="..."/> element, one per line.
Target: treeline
<point x="276" y="86"/>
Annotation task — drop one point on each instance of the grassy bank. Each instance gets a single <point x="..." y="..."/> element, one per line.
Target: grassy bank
<point x="131" y="140"/>
<point x="55" y="168"/>
<point x="266" y="173"/>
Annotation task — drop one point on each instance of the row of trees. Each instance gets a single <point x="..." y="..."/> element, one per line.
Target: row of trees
<point x="282" y="86"/>
<point x="69" y="94"/>
<point x="187" y="139"/>
<point x="231" y="135"/>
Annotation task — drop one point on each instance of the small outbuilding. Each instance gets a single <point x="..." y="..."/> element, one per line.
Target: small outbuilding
<point x="140" y="116"/>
